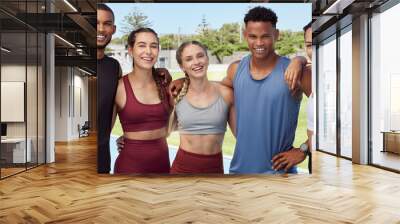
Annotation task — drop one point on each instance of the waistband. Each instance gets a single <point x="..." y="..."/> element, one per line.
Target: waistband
<point x="217" y="155"/>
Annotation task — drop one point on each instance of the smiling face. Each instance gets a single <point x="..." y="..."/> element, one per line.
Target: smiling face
<point x="105" y="28"/>
<point x="194" y="61"/>
<point x="144" y="50"/>
<point x="261" y="37"/>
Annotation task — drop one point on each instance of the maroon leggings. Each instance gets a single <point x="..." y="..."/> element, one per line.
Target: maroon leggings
<point x="143" y="156"/>
<point x="188" y="162"/>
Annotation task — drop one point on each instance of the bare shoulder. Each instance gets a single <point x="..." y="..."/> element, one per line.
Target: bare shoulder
<point x="232" y="68"/>
<point x="120" y="93"/>
<point x="121" y="83"/>
<point x="230" y="74"/>
<point x="226" y="92"/>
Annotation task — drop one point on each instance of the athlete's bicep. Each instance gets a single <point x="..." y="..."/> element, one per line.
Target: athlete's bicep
<point x="230" y="75"/>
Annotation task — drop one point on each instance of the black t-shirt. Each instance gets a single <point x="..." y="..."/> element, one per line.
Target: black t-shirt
<point x="108" y="73"/>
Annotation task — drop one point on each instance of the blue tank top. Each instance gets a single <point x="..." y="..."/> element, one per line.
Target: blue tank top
<point x="266" y="118"/>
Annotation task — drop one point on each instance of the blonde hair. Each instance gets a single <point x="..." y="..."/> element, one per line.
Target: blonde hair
<point x="172" y="119"/>
<point x="172" y="122"/>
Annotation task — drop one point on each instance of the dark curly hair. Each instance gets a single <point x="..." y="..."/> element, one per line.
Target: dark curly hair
<point x="261" y="14"/>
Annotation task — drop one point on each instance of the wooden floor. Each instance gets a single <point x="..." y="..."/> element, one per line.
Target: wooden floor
<point x="388" y="159"/>
<point x="70" y="191"/>
<point x="10" y="171"/>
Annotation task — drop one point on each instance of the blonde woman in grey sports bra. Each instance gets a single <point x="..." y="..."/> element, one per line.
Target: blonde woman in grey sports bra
<point x="202" y="110"/>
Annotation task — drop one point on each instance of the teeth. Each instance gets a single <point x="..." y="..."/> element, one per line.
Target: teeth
<point x="100" y="37"/>
<point x="197" y="68"/>
<point x="147" y="58"/>
<point x="260" y="49"/>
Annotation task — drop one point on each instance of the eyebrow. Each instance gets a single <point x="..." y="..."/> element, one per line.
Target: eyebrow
<point x="142" y="42"/>
<point x="265" y="34"/>
<point x="107" y="21"/>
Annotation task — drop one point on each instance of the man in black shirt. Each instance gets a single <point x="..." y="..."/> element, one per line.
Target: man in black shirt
<point x="108" y="73"/>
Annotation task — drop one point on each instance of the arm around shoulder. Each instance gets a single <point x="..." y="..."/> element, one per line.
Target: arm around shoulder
<point x="230" y="74"/>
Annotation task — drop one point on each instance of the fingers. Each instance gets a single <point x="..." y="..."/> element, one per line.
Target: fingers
<point x="288" y="166"/>
<point x="276" y="157"/>
<point x="277" y="160"/>
<point x="287" y="77"/>
<point x="120" y="143"/>
<point x="295" y="79"/>
<point x="173" y="91"/>
<point x="290" y="79"/>
<point x="294" y="90"/>
<point x="280" y="163"/>
<point x="171" y="88"/>
<point x="175" y="87"/>
<point x="293" y="74"/>
<point x="163" y="72"/>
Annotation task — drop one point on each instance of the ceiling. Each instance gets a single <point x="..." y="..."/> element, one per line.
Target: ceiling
<point x="328" y="12"/>
<point x="21" y="21"/>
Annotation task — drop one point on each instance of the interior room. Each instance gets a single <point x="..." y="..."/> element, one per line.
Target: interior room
<point x="47" y="75"/>
<point x="48" y="153"/>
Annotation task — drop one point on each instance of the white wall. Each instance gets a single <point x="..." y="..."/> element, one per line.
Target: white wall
<point x="69" y="85"/>
<point x="61" y="104"/>
<point x="50" y="96"/>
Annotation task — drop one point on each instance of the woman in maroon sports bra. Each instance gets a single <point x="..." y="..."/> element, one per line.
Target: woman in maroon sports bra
<point x="143" y="105"/>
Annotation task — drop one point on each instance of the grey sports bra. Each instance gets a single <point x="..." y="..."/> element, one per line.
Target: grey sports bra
<point x="208" y="120"/>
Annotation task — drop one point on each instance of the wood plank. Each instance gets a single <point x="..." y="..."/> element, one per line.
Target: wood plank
<point x="70" y="191"/>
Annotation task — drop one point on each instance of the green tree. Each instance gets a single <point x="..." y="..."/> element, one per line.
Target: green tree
<point x="120" y="40"/>
<point x="134" y="20"/>
<point x="230" y="33"/>
<point x="289" y="42"/>
<point x="203" y="27"/>
<point x="168" y="42"/>
<point x="220" y="42"/>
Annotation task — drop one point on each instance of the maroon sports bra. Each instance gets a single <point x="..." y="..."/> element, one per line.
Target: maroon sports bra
<point x="136" y="116"/>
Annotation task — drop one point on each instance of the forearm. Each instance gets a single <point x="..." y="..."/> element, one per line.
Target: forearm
<point x="301" y="59"/>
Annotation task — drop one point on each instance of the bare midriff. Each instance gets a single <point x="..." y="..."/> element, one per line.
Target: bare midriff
<point x="209" y="144"/>
<point x="147" y="135"/>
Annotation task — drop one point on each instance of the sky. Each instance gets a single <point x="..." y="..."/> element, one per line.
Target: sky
<point x="184" y="18"/>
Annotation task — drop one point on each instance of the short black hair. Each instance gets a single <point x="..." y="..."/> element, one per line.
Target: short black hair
<point x="104" y="7"/>
<point x="261" y="14"/>
<point x="306" y="27"/>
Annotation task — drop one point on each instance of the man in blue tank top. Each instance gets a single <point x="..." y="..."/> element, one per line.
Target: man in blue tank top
<point x="266" y="108"/>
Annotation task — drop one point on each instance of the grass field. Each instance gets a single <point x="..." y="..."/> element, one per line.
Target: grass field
<point x="229" y="140"/>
